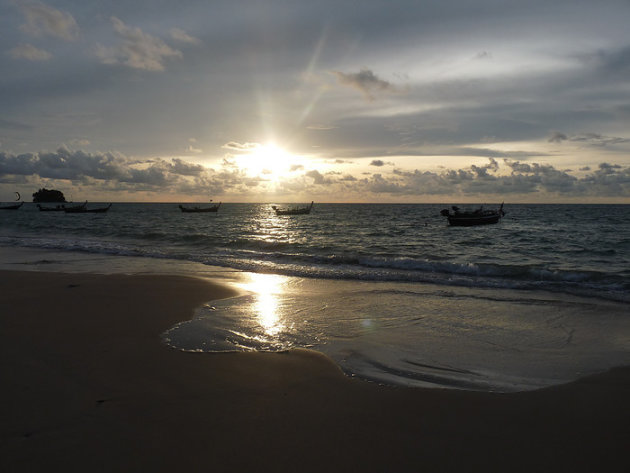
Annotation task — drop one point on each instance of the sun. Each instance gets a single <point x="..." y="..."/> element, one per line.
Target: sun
<point x="267" y="160"/>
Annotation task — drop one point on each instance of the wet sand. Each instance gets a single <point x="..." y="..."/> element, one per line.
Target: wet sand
<point x="88" y="385"/>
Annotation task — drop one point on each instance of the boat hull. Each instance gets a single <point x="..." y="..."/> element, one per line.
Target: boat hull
<point x="295" y="211"/>
<point x="59" y="208"/>
<point x="198" y="210"/>
<point x="473" y="221"/>
<point x="12" y="207"/>
<point x="84" y="210"/>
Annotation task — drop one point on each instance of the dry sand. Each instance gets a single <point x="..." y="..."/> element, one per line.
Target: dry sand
<point x="88" y="385"/>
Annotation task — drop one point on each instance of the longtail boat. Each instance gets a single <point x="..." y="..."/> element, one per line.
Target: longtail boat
<point x="197" y="209"/>
<point x="57" y="208"/>
<point x="293" y="211"/>
<point x="469" y="218"/>
<point x="12" y="206"/>
<point x="82" y="209"/>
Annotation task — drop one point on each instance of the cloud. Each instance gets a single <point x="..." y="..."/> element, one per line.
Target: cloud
<point x="557" y="137"/>
<point x="484" y="180"/>
<point x="605" y="168"/>
<point x="340" y="161"/>
<point x="596" y="139"/>
<point x="593" y="139"/>
<point x="483" y="171"/>
<point x="113" y="171"/>
<point x="184" y="168"/>
<point x="241" y="147"/>
<point x="30" y="52"/>
<point x="42" y="20"/>
<point x="80" y="165"/>
<point x="609" y="180"/>
<point x="192" y="148"/>
<point x="183" y="37"/>
<point x="138" y="49"/>
<point x="317" y="177"/>
<point x="380" y="163"/>
<point x="365" y="81"/>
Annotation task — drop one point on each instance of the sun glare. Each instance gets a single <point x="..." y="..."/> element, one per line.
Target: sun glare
<point x="266" y="288"/>
<point x="267" y="160"/>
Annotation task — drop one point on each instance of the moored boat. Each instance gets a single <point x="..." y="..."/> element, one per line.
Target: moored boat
<point x="73" y="208"/>
<point x="197" y="209"/>
<point x="80" y="209"/>
<point x="57" y="208"/>
<point x="469" y="218"/>
<point x="293" y="211"/>
<point x="12" y="206"/>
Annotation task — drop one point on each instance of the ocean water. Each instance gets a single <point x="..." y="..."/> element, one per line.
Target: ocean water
<point x="390" y="292"/>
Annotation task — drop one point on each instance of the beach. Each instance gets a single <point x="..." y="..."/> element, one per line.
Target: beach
<point x="89" y="385"/>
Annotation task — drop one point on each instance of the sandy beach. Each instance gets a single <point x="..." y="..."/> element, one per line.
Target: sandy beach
<point x="88" y="385"/>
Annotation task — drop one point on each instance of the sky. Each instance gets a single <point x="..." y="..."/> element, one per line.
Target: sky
<point x="445" y="101"/>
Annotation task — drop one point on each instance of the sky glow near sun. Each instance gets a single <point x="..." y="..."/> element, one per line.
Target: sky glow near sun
<point x="437" y="101"/>
<point x="267" y="160"/>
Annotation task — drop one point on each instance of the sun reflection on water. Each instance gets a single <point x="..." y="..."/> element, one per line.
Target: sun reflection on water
<point x="266" y="289"/>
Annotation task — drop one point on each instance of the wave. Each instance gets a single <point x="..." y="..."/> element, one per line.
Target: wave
<point x="582" y="283"/>
<point x="276" y="257"/>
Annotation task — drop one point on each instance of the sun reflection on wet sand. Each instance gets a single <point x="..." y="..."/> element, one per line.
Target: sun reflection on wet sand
<point x="266" y="289"/>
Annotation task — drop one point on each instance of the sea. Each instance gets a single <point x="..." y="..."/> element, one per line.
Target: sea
<point x="390" y="292"/>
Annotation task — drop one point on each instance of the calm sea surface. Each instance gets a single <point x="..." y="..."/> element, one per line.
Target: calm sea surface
<point x="391" y="292"/>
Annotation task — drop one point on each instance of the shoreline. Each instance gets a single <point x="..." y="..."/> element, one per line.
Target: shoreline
<point x="91" y="387"/>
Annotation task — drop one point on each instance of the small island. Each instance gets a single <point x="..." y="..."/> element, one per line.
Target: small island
<point x="48" y="195"/>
